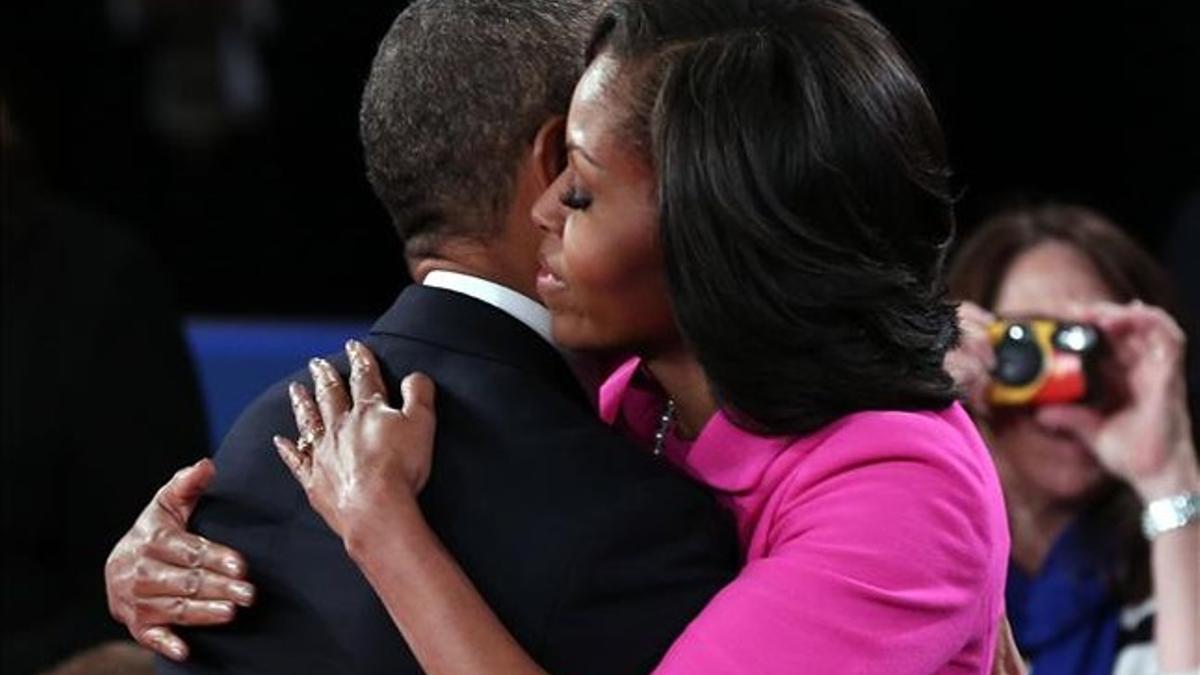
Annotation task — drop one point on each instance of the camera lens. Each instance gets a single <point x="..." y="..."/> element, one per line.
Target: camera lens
<point x="1018" y="358"/>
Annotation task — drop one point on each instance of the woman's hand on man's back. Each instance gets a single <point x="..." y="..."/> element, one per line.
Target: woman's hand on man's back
<point x="159" y="575"/>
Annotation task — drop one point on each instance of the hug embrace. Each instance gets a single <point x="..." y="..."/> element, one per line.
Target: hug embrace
<point x="680" y="325"/>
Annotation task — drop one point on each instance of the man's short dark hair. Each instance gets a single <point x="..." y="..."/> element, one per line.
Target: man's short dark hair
<point x="804" y="203"/>
<point x="457" y="90"/>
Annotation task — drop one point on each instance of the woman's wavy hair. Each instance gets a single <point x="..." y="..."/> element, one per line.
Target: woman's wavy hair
<point x="804" y="202"/>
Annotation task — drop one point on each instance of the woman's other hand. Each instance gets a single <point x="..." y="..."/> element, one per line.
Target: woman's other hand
<point x="358" y="459"/>
<point x="1146" y="439"/>
<point x="160" y="575"/>
<point x="1007" y="660"/>
<point x="971" y="362"/>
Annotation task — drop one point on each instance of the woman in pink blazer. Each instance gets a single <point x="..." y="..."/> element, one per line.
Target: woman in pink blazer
<point x="756" y="205"/>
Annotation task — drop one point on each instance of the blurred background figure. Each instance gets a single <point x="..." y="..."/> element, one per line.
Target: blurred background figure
<point x="86" y="307"/>
<point x="1086" y="592"/>
<point x="216" y="130"/>
<point x="143" y="153"/>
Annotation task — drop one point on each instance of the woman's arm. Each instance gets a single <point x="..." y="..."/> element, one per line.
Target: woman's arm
<point x="1148" y="442"/>
<point x="439" y="612"/>
<point x="349" y="464"/>
<point x="1175" y="564"/>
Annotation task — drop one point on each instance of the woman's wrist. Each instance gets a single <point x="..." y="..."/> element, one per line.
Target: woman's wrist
<point x="397" y="519"/>
<point x="1167" y="514"/>
<point x="1180" y="476"/>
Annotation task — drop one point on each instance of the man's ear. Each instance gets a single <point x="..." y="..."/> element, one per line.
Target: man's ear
<point x="550" y="150"/>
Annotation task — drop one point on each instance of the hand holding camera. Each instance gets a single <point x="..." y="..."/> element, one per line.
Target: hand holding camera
<point x="1110" y="374"/>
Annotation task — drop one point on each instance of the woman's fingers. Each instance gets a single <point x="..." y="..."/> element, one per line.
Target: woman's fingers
<point x="366" y="382"/>
<point x="1137" y="333"/>
<point x="308" y="418"/>
<point x="418" y="393"/>
<point x="180" y="495"/>
<point x="162" y="640"/>
<point x="971" y="361"/>
<point x="1007" y="660"/>
<point x="332" y="398"/>
<point x="183" y="549"/>
<point x="974" y="323"/>
<point x="298" y="460"/>
<point x="176" y="611"/>
<point x="970" y="313"/>
<point x="156" y="579"/>
<point x="1135" y="316"/>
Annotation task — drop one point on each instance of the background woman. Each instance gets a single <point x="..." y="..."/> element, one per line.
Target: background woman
<point x="1086" y="592"/>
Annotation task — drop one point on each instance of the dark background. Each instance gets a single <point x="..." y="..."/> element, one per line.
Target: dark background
<point x="133" y="111"/>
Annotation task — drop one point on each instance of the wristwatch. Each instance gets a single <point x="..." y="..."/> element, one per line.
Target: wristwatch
<point x="1170" y="513"/>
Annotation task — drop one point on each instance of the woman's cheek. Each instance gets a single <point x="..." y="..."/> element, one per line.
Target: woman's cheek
<point x="590" y="261"/>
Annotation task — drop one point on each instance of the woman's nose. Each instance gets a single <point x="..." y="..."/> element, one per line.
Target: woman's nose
<point x="549" y="214"/>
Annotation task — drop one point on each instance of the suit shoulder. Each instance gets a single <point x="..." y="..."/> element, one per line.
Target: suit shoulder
<point x="249" y="470"/>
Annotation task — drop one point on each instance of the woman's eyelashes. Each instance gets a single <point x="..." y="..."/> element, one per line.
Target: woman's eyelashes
<point x="575" y="199"/>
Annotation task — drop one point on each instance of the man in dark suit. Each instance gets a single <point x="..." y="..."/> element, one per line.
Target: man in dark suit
<point x="593" y="554"/>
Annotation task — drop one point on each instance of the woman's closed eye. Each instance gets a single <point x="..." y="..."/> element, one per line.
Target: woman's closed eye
<point x="575" y="199"/>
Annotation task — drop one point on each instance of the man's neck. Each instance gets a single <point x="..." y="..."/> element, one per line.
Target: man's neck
<point x="488" y="260"/>
<point x="420" y="269"/>
<point x="588" y="368"/>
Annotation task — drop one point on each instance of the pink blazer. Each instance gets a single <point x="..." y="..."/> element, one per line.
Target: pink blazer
<point x="878" y="544"/>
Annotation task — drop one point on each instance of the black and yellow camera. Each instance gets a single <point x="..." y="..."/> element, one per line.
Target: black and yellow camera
<point x="1044" y="361"/>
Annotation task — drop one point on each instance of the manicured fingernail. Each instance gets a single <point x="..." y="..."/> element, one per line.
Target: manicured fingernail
<point x="294" y="390"/>
<point x="243" y="592"/>
<point x="222" y="608"/>
<point x="233" y="565"/>
<point x="352" y="345"/>
<point x="177" y="650"/>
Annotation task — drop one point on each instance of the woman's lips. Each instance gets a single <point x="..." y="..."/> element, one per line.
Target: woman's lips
<point x="547" y="280"/>
<point x="1068" y="445"/>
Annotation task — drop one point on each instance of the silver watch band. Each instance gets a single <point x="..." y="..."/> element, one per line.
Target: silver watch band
<point x="1170" y="513"/>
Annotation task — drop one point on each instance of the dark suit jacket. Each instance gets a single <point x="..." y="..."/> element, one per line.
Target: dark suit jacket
<point x="593" y="553"/>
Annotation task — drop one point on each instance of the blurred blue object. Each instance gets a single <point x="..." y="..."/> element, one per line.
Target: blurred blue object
<point x="237" y="359"/>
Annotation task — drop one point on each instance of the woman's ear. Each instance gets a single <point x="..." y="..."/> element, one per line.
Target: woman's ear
<point x="550" y="150"/>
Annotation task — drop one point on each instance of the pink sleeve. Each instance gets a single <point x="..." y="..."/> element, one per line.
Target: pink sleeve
<point x="879" y="562"/>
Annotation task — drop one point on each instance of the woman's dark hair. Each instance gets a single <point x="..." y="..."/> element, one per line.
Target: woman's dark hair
<point x="804" y="202"/>
<point x="1112" y="525"/>
<point x="983" y="259"/>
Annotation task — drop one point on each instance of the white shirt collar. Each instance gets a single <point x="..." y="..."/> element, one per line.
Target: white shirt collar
<point x="502" y="298"/>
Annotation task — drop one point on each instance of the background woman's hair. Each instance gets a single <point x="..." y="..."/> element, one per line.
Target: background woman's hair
<point x="804" y="202"/>
<point x="975" y="275"/>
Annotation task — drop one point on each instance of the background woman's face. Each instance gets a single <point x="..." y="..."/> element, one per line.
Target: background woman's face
<point x="1036" y="460"/>
<point x="602" y="271"/>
